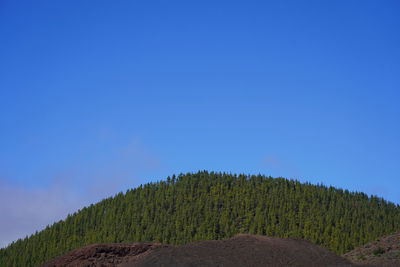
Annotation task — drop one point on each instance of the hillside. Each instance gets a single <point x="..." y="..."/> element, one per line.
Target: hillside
<point x="384" y="251"/>
<point x="212" y="206"/>
<point x="241" y="251"/>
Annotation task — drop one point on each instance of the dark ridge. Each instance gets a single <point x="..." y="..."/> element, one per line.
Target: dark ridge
<point x="240" y="251"/>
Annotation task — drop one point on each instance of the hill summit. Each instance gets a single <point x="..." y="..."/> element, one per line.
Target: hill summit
<point x="213" y="206"/>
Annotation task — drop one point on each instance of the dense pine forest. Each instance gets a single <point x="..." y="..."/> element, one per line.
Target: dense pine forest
<point x="204" y="205"/>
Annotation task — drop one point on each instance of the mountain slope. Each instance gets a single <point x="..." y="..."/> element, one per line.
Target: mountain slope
<point x="241" y="250"/>
<point x="209" y="206"/>
<point x="385" y="251"/>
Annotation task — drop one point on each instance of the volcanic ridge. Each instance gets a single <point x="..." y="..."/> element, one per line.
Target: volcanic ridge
<point x="241" y="250"/>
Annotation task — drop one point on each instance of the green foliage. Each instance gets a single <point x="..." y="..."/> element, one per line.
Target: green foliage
<point x="361" y="257"/>
<point x="378" y="251"/>
<point x="207" y="205"/>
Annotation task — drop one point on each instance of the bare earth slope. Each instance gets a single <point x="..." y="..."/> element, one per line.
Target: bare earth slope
<point x="241" y="250"/>
<point x="384" y="251"/>
<point x="112" y="254"/>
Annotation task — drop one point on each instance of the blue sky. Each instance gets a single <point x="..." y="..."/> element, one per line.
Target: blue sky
<point x="101" y="96"/>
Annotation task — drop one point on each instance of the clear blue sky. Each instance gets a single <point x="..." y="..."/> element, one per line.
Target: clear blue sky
<point x="100" y="96"/>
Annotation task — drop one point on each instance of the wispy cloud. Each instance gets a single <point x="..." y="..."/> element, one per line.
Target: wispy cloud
<point x="25" y="210"/>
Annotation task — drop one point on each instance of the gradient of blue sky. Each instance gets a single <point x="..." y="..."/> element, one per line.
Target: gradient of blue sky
<point x="118" y="93"/>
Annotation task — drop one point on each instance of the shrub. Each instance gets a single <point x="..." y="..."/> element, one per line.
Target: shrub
<point x="378" y="251"/>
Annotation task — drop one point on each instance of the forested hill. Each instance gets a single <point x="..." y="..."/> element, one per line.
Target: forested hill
<point x="205" y="205"/>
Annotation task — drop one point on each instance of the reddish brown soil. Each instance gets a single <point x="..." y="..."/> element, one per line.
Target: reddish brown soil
<point x="384" y="251"/>
<point x="241" y="250"/>
<point x="103" y="255"/>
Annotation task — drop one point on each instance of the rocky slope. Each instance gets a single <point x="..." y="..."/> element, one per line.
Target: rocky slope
<point x="113" y="254"/>
<point x="384" y="251"/>
<point x="241" y="250"/>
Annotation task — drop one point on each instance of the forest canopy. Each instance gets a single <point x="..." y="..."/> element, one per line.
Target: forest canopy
<point x="208" y="205"/>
